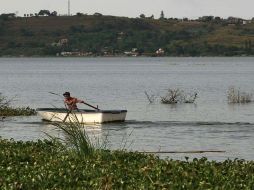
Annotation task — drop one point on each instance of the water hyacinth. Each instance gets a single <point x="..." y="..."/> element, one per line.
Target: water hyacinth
<point x="10" y="111"/>
<point x="7" y="110"/>
<point x="49" y="165"/>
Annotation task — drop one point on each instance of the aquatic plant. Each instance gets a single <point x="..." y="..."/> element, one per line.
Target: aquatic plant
<point x="7" y="110"/>
<point x="151" y="98"/>
<point x="49" y="165"/>
<point x="3" y="101"/>
<point x="77" y="138"/>
<point x="174" y="96"/>
<point x="236" y="96"/>
<point x="190" y="98"/>
<point x="10" y="111"/>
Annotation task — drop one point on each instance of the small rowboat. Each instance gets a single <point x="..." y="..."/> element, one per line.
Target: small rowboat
<point x="82" y="115"/>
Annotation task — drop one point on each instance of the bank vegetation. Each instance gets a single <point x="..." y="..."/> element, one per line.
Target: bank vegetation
<point x="48" y="34"/>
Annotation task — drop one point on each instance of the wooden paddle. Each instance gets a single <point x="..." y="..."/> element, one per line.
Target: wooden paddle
<point x="68" y="113"/>
<point x="91" y="106"/>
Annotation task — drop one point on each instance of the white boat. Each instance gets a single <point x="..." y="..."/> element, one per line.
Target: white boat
<point x="82" y="115"/>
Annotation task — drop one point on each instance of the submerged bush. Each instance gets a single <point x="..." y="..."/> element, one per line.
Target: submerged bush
<point x="174" y="96"/>
<point x="236" y="96"/>
<point x="48" y="165"/>
<point x="151" y="98"/>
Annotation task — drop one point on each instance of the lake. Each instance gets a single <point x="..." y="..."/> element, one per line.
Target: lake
<point x="119" y="83"/>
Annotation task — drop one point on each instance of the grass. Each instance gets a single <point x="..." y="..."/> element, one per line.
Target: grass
<point x="77" y="138"/>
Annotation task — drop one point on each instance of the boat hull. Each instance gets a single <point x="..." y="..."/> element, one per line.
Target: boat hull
<point x="82" y="116"/>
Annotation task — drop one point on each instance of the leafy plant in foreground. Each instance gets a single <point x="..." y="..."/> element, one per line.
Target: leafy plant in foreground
<point x="76" y="136"/>
<point x="49" y="165"/>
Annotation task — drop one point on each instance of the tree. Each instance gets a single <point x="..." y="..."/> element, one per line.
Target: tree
<point x="44" y="12"/>
<point x="54" y="13"/>
<point x="162" y="15"/>
<point x="142" y="16"/>
<point x="217" y="18"/>
<point x="206" y="18"/>
<point x="7" y="16"/>
<point x="98" y="14"/>
<point x="151" y="17"/>
<point x="79" y="14"/>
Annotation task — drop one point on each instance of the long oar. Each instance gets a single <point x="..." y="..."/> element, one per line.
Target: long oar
<point x="69" y="111"/>
<point x="91" y="106"/>
<point x="83" y="103"/>
<point x="55" y="94"/>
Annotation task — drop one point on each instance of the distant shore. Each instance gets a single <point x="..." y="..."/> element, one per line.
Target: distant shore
<point x="109" y="36"/>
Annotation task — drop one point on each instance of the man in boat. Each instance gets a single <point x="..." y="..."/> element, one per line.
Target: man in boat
<point x="71" y="102"/>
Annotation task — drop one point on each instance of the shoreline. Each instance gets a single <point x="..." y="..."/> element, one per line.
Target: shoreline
<point x="127" y="56"/>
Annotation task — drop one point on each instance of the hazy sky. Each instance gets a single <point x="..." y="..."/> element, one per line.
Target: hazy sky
<point x="133" y="8"/>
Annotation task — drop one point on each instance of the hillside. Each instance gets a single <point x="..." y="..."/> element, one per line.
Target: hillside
<point x="90" y="35"/>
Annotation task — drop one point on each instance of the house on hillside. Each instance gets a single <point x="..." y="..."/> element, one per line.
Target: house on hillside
<point x="63" y="41"/>
<point x="120" y="35"/>
<point x="134" y="52"/>
<point x="160" y="52"/>
<point x="8" y="15"/>
<point x="60" y="43"/>
<point x="234" y="20"/>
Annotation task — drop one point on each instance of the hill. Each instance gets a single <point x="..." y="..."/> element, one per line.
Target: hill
<point x="97" y="35"/>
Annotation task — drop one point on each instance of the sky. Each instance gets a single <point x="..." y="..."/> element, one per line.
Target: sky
<point x="133" y="8"/>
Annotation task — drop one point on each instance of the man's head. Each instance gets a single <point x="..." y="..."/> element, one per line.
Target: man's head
<point x="66" y="94"/>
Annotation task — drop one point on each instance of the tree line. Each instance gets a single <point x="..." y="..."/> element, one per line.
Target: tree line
<point x="116" y="35"/>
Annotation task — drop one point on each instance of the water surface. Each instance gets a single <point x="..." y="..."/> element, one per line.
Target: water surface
<point x="119" y="83"/>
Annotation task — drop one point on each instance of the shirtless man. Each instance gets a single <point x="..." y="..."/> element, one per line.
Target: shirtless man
<point x="71" y="102"/>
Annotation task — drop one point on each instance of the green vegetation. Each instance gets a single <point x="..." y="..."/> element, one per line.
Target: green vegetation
<point x="98" y="35"/>
<point x="7" y="110"/>
<point x="49" y="165"/>
<point x="76" y="137"/>
<point x="76" y="163"/>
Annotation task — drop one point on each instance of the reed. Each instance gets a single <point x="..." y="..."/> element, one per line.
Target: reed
<point x="76" y="137"/>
